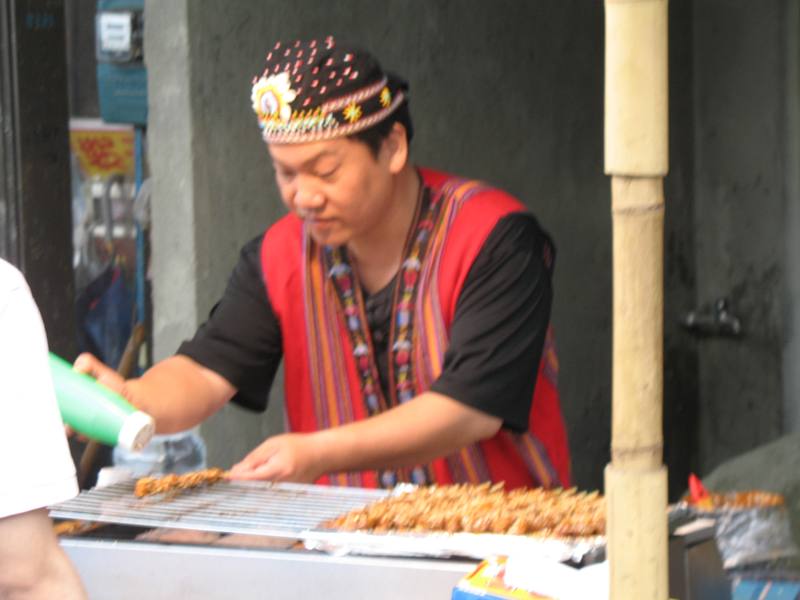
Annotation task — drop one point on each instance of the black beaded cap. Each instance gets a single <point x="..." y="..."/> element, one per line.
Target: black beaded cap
<point x="319" y="89"/>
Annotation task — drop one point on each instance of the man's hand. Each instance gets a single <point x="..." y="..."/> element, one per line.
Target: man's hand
<point x="177" y="392"/>
<point x="93" y="366"/>
<point x="288" y="457"/>
<point x="426" y="427"/>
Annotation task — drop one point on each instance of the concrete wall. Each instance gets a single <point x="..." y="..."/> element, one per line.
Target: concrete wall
<point x="212" y="188"/>
<point x="740" y="215"/>
<point x="791" y="354"/>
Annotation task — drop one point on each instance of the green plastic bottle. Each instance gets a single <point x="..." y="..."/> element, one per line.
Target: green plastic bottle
<point x="95" y="411"/>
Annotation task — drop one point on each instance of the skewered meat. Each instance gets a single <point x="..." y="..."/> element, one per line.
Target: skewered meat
<point x="482" y="509"/>
<point x="158" y="485"/>
<point x="736" y="500"/>
<point x="75" y="527"/>
<point x="701" y="499"/>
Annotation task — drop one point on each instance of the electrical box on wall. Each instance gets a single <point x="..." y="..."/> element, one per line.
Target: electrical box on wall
<point x="121" y="74"/>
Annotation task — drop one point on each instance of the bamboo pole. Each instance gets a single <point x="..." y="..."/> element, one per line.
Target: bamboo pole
<point x="636" y="158"/>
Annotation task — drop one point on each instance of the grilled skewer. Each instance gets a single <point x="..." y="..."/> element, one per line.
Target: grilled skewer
<point x="147" y="486"/>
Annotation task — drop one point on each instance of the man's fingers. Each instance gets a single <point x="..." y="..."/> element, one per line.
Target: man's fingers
<point x="254" y="462"/>
<point x="267" y="471"/>
<point x="248" y="463"/>
<point x="90" y="365"/>
<point x="86" y="363"/>
<point x="263" y="469"/>
<point x="112" y="381"/>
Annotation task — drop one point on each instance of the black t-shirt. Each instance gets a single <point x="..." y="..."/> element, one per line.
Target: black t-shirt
<point x="496" y="336"/>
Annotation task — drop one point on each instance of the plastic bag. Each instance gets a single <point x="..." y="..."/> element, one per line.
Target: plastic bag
<point x="745" y="537"/>
<point x="754" y="536"/>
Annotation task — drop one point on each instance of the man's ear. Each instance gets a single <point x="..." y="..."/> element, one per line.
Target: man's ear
<point x="395" y="147"/>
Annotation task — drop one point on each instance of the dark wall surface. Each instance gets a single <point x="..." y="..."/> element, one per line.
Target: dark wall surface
<point x="83" y="100"/>
<point x="34" y="160"/>
<point x="740" y="211"/>
<point x="680" y="274"/>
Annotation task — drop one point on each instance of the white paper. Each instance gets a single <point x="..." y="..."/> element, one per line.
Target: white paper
<point x="557" y="580"/>
<point x="114" y="30"/>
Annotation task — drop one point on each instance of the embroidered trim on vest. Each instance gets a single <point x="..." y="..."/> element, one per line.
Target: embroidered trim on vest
<point x="326" y="364"/>
<point x="348" y="292"/>
<point x="535" y="457"/>
<point x="550" y="358"/>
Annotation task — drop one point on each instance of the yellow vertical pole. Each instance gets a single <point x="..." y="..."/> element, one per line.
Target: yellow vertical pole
<point x="636" y="158"/>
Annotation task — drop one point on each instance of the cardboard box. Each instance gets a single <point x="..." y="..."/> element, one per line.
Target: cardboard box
<point x="486" y="583"/>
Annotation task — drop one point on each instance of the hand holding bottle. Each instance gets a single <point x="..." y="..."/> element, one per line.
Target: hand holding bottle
<point x="94" y="406"/>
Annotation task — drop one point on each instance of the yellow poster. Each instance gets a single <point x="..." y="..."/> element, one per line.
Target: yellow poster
<point x="102" y="149"/>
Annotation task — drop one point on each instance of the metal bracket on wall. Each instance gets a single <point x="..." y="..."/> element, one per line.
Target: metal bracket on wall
<point x="715" y="320"/>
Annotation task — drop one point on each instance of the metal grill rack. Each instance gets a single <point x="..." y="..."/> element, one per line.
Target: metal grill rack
<point x="297" y="511"/>
<point x="278" y="510"/>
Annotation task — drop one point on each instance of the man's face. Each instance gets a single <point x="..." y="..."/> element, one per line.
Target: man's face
<point x="338" y="187"/>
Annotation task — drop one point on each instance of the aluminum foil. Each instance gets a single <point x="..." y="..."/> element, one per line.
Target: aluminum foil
<point x="746" y="536"/>
<point x="451" y="545"/>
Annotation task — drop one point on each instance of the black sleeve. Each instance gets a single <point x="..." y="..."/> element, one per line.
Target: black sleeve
<point x="242" y="338"/>
<point x="499" y="326"/>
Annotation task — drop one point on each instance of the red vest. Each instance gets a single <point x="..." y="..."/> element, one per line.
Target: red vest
<point x="325" y="383"/>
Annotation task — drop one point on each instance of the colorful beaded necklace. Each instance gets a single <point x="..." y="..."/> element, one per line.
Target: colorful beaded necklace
<point x="348" y="292"/>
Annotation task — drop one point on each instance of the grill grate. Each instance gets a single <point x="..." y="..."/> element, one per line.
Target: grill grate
<point x="273" y="509"/>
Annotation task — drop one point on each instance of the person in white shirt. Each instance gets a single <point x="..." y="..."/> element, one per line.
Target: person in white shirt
<point x="36" y="465"/>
